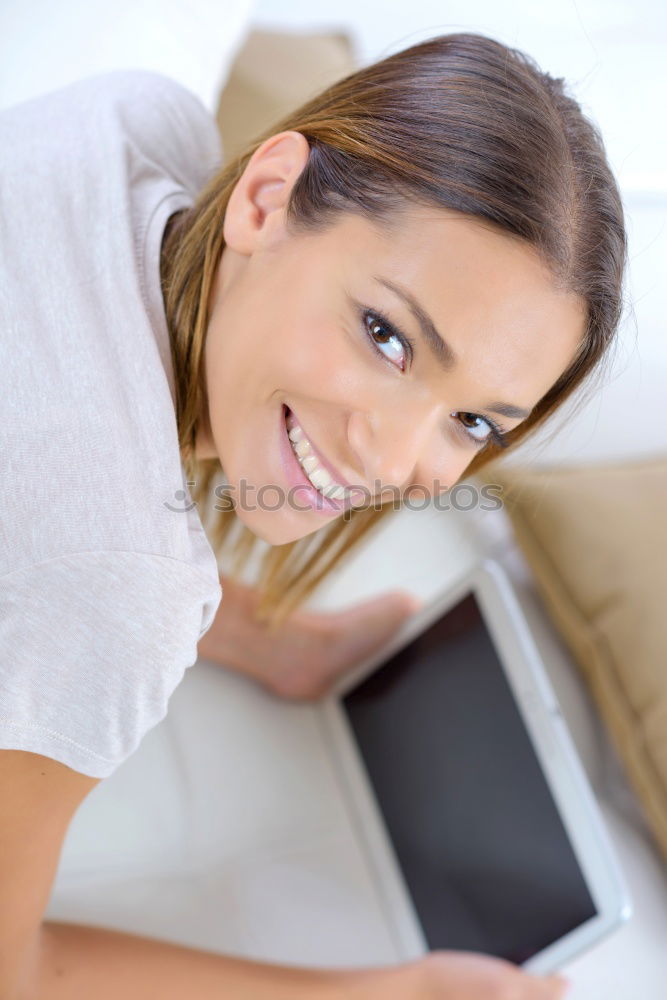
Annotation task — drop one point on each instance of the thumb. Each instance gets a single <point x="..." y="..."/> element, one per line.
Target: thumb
<point x="369" y="624"/>
<point x="384" y="609"/>
<point x="562" y="983"/>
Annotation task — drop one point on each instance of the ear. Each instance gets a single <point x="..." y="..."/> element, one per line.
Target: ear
<point x="255" y="214"/>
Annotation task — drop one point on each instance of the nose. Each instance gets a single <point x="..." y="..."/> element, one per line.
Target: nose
<point x="400" y="447"/>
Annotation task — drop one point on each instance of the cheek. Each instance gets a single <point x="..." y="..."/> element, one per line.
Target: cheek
<point x="243" y="346"/>
<point x="319" y="354"/>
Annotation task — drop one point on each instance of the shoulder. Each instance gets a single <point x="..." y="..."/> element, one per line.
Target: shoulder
<point x="162" y="121"/>
<point x="151" y="115"/>
<point x="133" y="90"/>
<point x="145" y="99"/>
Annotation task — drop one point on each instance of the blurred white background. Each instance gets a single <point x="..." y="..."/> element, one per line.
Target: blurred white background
<point x="614" y="52"/>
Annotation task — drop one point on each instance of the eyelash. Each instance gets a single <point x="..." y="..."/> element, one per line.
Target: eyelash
<point x="497" y="435"/>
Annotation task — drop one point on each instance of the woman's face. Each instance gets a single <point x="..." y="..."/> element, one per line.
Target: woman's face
<point x="302" y="322"/>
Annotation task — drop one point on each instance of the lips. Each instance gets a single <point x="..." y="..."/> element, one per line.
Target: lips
<point x="307" y="494"/>
<point x="321" y="460"/>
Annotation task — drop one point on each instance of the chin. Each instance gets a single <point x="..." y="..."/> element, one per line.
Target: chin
<point x="275" y="531"/>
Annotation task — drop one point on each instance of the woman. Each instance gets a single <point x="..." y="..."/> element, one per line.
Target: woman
<point x="407" y="275"/>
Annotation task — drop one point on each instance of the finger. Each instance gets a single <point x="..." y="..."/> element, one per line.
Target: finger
<point x="375" y="620"/>
<point x="548" y="987"/>
<point x="560" y="986"/>
<point x="366" y="626"/>
<point x="412" y="602"/>
<point x="383" y="607"/>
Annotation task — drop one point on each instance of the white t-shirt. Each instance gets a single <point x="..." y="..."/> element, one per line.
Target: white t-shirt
<point x="107" y="579"/>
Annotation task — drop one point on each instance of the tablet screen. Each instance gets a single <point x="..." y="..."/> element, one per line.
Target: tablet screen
<point x="474" y="827"/>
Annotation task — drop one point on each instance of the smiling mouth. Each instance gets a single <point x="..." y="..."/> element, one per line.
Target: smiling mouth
<point x="313" y="467"/>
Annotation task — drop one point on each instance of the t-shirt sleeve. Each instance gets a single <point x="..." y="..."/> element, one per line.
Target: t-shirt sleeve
<point x="92" y="645"/>
<point x="164" y="121"/>
<point x="71" y="133"/>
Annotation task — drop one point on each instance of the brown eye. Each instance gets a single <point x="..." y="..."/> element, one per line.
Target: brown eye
<point x="383" y="334"/>
<point x="473" y="422"/>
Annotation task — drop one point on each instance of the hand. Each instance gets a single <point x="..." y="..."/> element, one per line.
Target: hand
<point x="303" y="657"/>
<point x="454" y="975"/>
<point x="468" y="975"/>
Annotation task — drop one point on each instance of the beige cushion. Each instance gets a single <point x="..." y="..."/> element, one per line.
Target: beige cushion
<point x="273" y="73"/>
<point x="596" y="540"/>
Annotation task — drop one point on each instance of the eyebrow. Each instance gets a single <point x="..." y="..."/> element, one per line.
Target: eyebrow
<point x="439" y="347"/>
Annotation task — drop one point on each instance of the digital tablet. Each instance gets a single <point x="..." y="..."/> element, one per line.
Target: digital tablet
<point x="480" y="828"/>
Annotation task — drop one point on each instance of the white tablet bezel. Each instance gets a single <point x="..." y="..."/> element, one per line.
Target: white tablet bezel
<point x="537" y="703"/>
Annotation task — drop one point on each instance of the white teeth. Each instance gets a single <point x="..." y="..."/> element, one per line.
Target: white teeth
<point x="336" y="494"/>
<point x="318" y="476"/>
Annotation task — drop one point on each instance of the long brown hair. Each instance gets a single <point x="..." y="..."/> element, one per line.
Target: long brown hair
<point x="461" y="122"/>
